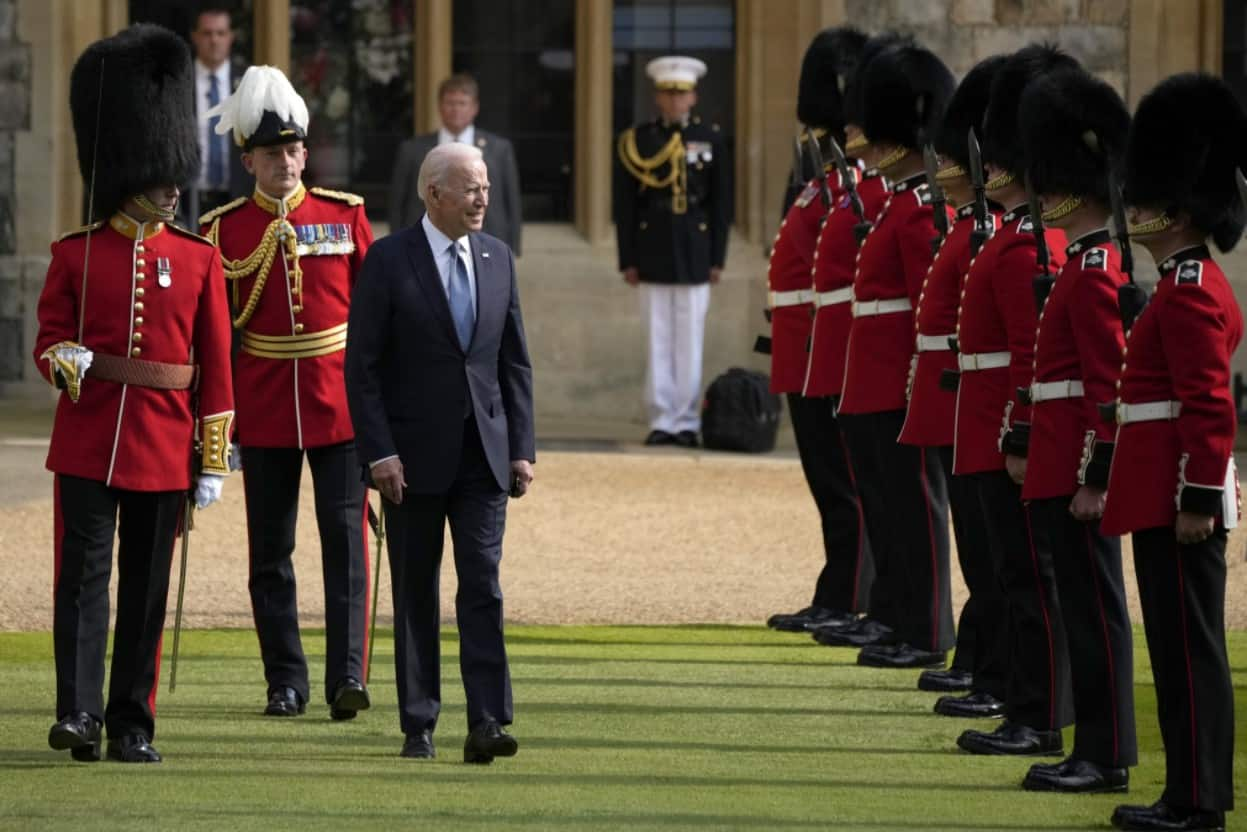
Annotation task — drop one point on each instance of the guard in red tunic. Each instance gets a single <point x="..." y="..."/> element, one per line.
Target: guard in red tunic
<point x="1073" y="130"/>
<point x="838" y="592"/>
<point x="134" y="329"/>
<point x="1172" y="482"/>
<point x="291" y="258"/>
<point x="978" y="663"/>
<point x="904" y="90"/>
<point x="996" y="340"/>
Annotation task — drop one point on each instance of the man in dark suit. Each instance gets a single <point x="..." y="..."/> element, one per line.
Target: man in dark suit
<point x="440" y="391"/>
<point x="458" y="102"/>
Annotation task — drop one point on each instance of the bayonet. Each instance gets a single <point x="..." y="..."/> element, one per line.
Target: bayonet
<point x="820" y="170"/>
<point x="938" y="200"/>
<point x="1131" y="297"/>
<point x="1042" y="282"/>
<point x="980" y="233"/>
<point x="850" y="185"/>
<point x="798" y="165"/>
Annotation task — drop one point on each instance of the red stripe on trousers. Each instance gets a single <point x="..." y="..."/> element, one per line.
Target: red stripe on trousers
<point x="1043" y="605"/>
<point x="1190" y="679"/>
<point x="1108" y="647"/>
<point x="861" y="522"/>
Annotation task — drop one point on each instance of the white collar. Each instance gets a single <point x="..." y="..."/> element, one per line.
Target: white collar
<point x="468" y="136"/>
<point x="221" y="72"/>
<point x="438" y="241"/>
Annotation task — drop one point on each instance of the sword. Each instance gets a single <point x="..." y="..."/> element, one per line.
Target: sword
<point x="850" y="184"/>
<point x="979" y="235"/>
<point x="938" y="199"/>
<point x="1131" y="297"/>
<point x="820" y="170"/>
<point x="188" y="523"/>
<point x="1042" y="282"/>
<point x="377" y="524"/>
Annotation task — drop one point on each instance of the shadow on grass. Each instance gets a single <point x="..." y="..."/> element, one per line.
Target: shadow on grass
<point x="606" y="681"/>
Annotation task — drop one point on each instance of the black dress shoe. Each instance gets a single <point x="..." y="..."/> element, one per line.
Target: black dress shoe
<point x="349" y="697"/>
<point x="1162" y="816"/>
<point x="486" y="741"/>
<point x="79" y="733"/>
<point x="1013" y="739"/>
<point x="977" y="705"/>
<point x="283" y="701"/>
<point x="132" y="748"/>
<point x="952" y="680"/>
<point x="418" y="746"/>
<point x="659" y="437"/>
<point x="864" y="632"/>
<point x="687" y="439"/>
<point x="810" y="618"/>
<point x="899" y="656"/>
<point x="1076" y="776"/>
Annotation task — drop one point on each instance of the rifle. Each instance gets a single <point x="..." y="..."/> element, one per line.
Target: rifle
<point x="1131" y="297"/>
<point x="938" y="200"/>
<point x="979" y="235"/>
<point x="850" y="184"/>
<point x="1042" y="282"/>
<point x="377" y="524"/>
<point x="820" y="170"/>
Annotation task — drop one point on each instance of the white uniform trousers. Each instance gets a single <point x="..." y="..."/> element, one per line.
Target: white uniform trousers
<point x="675" y="317"/>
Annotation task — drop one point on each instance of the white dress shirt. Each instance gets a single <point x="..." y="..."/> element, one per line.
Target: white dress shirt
<point x="468" y="136"/>
<point x="203" y="82"/>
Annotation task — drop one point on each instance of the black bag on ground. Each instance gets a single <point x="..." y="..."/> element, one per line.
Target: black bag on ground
<point x="740" y="413"/>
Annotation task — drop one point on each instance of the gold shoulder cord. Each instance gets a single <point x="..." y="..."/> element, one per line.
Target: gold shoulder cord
<point x="642" y="169"/>
<point x="280" y="233"/>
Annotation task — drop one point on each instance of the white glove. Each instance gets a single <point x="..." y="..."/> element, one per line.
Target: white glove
<point x="69" y="362"/>
<point x="208" y="489"/>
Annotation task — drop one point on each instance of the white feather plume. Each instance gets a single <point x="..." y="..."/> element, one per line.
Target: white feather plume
<point x="261" y="88"/>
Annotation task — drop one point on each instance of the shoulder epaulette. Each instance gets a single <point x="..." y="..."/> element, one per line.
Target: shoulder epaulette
<point x="186" y="232"/>
<point x="83" y="230"/>
<point x="1095" y="258"/>
<point x="1190" y="273"/>
<point x="222" y="210"/>
<point x="340" y="196"/>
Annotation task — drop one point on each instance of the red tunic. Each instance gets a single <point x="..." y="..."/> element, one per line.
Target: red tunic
<point x="792" y="258"/>
<point x="1178" y="350"/>
<point x="123" y="435"/>
<point x="834" y="261"/>
<point x="891" y="264"/>
<point x="997" y="316"/>
<point x="297" y="402"/>
<point x="929" y="414"/>
<point x="1079" y="337"/>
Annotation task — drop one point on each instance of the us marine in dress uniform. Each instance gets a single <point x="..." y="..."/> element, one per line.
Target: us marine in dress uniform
<point x="672" y="211"/>
<point x="841" y="589"/>
<point x="292" y="255"/>
<point x="976" y="666"/>
<point x="1073" y="130"/>
<point x="996" y="340"/>
<point x="134" y="329"/>
<point x="904" y="89"/>
<point x="1172" y="483"/>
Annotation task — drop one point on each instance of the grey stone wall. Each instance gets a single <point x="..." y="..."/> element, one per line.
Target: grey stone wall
<point x="14" y="271"/>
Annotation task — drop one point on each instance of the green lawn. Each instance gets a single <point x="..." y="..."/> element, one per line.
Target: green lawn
<point x="619" y="727"/>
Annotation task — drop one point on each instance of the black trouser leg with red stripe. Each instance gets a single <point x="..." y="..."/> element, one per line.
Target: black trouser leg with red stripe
<point x="1097" y="622"/>
<point x="870" y="473"/>
<point x="1182" y="593"/>
<point x="984" y="607"/>
<point x="1038" y="691"/>
<point x="87" y="513"/>
<point x="271" y="476"/>
<point x="844" y="582"/>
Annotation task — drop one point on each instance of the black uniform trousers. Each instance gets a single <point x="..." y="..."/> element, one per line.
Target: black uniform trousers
<point x="1038" y="690"/>
<point x="87" y="512"/>
<point x="906" y="505"/>
<point x="848" y="571"/>
<point x="1097" y="623"/>
<point x="271" y="477"/>
<point x="1182" y="593"/>
<point x="980" y="651"/>
<point x="476" y="509"/>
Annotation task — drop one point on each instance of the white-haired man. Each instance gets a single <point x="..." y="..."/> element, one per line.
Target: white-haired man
<point x="440" y="390"/>
<point x="291" y="256"/>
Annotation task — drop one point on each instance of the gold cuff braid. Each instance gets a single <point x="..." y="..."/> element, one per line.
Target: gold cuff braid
<point x="216" y="430"/>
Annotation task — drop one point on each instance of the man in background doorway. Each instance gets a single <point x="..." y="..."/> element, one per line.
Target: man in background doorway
<point x="458" y="102"/>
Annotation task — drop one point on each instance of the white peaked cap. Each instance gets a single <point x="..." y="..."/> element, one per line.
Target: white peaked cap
<point x="675" y="72"/>
<point x="262" y="88"/>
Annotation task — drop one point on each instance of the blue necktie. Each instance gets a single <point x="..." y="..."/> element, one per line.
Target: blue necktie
<point x="216" y="154"/>
<point x="460" y="291"/>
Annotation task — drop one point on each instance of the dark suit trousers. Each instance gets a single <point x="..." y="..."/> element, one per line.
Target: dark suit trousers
<point x="86" y="514"/>
<point x="476" y="510"/>
<point x="906" y="504"/>
<point x="848" y="570"/>
<point x="1182" y="593"/>
<point x="1038" y="691"/>
<point x="1097" y="623"/>
<point x="271" y="477"/>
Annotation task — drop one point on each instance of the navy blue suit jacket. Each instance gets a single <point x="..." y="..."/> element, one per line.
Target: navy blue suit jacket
<point x="408" y="382"/>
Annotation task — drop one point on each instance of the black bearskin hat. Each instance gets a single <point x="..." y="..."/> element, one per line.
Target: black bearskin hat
<point x="824" y="70"/>
<point x="905" y="90"/>
<point x="1188" y="138"/>
<point x="1073" y="126"/>
<point x="965" y="110"/>
<point x="1002" y="142"/>
<point x="132" y="97"/>
<point x="854" y="92"/>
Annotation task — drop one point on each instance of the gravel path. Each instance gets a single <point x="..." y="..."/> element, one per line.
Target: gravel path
<point x="642" y="537"/>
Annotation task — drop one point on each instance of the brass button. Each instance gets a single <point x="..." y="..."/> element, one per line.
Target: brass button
<point x="138" y="292"/>
<point x="136" y="337"/>
<point x="297" y="309"/>
<point x="644" y="225"/>
<point x="140" y="248"/>
<point x="138" y="306"/>
<point x="140" y="263"/>
<point x="701" y="226"/>
<point x="298" y="328"/>
<point x="138" y="321"/>
<point x="140" y="276"/>
<point x="136" y="352"/>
